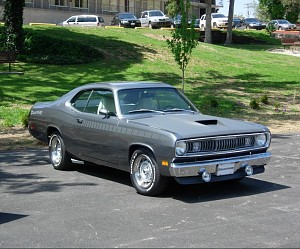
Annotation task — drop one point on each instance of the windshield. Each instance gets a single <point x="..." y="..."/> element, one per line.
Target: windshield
<point x="283" y="22"/>
<point x="159" y="100"/>
<point x="218" y="16"/>
<point x="127" y="16"/>
<point x="156" y="13"/>
<point x="251" y="20"/>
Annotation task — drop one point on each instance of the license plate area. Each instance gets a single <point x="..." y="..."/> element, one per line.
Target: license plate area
<point x="225" y="169"/>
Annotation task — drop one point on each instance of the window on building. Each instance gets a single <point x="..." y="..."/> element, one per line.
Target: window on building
<point x="59" y="2"/>
<point x="29" y="1"/>
<point x="83" y="4"/>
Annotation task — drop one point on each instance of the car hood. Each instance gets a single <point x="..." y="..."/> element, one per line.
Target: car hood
<point x="129" y="19"/>
<point x="222" y="19"/>
<point x="197" y="125"/>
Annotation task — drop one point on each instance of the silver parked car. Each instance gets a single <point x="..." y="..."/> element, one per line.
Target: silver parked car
<point x="150" y="130"/>
<point x="281" y="24"/>
<point x="155" y="19"/>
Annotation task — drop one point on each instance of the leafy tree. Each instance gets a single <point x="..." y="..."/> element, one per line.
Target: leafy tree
<point x="184" y="40"/>
<point x="281" y="9"/>
<point x="173" y="7"/>
<point x="13" y="24"/>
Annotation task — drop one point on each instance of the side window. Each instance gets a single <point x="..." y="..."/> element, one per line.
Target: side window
<point x="82" y="19"/>
<point x="94" y="101"/>
<point x="80" y="101"/>
<point x="72" y="19"/>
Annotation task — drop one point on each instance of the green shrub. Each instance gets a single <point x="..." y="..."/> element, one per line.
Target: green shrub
<point x="254" y="104"/>
<point x="24" y="119"/>
<point x="48" y="50"/>
<point x="264" y="99"/>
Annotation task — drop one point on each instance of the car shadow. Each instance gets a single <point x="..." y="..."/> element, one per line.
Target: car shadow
<point x="8" y="217"/>
<point x="191" y="193"/>
<point x="221" y="190"/>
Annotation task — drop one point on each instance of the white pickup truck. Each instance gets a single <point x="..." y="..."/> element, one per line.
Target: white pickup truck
<point x="217" y="21"/>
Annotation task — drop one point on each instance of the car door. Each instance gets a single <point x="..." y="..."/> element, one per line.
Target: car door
<point x="144" y="19"/>
<point x="95" y="127"/>
<point x="71" y="21"/>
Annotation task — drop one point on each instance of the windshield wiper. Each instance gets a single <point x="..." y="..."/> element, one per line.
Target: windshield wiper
<point x="145" y="110"/>
<point x="177" y="110"/>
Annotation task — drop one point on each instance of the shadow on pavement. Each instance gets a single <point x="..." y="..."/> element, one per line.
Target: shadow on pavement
<point x="7" y="217"/>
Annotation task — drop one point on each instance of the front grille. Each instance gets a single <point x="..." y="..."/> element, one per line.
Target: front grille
<point x="220" y="144"/>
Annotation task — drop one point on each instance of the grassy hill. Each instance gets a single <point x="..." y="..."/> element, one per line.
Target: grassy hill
<point x="221" y="80"/>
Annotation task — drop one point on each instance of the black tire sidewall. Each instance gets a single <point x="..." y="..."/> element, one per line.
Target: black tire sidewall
<point x="153" y="188"/>
<point x="65" y="161"/>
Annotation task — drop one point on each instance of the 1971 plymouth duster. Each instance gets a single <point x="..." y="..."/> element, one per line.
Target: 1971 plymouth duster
<point x="150" y="130"/>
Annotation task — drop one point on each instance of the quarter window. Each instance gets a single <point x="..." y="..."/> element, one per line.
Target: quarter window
<point x="94" y="101"/>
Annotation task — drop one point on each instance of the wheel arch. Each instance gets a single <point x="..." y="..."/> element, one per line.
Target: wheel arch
<point x="51" y="129"/>
<point x="135" y="147"/>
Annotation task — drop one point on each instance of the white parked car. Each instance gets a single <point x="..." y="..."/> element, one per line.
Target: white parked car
<point x="84" y="21"/>
<point x="217" y="21"/>
<point x="154" y="19"/>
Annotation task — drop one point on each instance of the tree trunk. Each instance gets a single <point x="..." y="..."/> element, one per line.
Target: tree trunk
<point x="13" y="19"/>
<point x="229" y="27"/>
<point x="208" y="35"/>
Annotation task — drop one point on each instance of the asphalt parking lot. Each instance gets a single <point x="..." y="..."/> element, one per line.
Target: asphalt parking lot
<point x="97" y="206"/>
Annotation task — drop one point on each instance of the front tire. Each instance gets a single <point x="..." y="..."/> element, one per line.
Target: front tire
<point x="59" y="157"/>
<point x="145" y="175"/>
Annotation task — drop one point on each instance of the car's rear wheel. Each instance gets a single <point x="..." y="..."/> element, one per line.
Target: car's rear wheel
<point x="145" y="175"/>
<point x="202" y="27"/>
<point x="59" y="157"/>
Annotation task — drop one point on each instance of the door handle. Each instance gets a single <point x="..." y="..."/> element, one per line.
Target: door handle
<point x="79" y="120"/>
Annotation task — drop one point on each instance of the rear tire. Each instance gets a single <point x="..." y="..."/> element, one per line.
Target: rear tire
<point x="145" y="175"/>
<point x="59" y="157"/>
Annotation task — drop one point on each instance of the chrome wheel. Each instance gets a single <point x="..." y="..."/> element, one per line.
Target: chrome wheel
<point x="145" y="174"/>
<point x="55" y="150"/>
<point x="143" y="171"/>
<point x="59" y="157"/>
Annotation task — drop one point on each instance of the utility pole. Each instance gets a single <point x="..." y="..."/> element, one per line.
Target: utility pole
<point x="248" y="6"/>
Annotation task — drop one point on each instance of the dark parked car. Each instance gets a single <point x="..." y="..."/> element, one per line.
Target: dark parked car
<point x="236" y="23"/>
<point x="150" y="130"/>
<point x="281" y="24"/>
<point x="126" y="20"/>
<point x="252" y="23"/>
<point x="176" y="21"/>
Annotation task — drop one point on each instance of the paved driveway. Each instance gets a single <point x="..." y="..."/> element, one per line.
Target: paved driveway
<point x="98" y="207"/>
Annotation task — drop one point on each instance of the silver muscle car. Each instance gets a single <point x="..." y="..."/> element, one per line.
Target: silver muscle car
<point x="150" y="130"/>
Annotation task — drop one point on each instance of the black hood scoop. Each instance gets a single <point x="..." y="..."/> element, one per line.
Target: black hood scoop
<point x="208" y="122"/>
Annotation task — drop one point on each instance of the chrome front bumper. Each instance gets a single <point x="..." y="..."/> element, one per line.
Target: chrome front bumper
<point x="211" y="166"/>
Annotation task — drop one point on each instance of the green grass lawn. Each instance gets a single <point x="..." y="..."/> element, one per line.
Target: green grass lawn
<point x="221" y="80"/>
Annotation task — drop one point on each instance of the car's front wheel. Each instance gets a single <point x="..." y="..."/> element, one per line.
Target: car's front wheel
<point x="145" y="175"/>
<point x="59" y="157"/>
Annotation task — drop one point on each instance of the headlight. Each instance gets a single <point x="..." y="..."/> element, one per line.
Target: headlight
<point x="125" y="21"/>
<point x="261" y="140"/>
<point x="155" y="20"/>
<point x="180" y="148"/>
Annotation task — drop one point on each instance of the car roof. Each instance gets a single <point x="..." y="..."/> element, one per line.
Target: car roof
<point x="126" y="85"/>
<point x="151" y="10"/>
